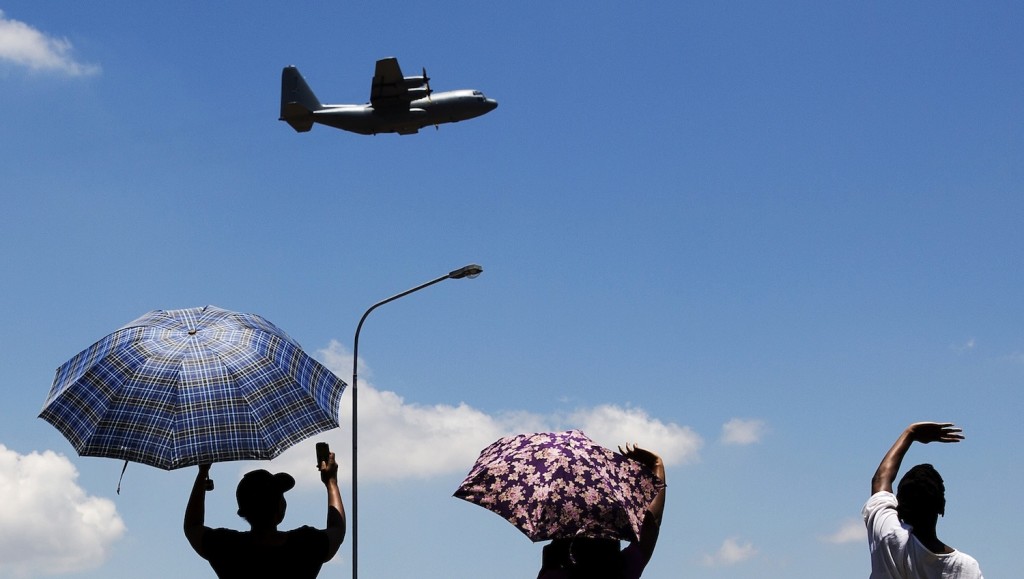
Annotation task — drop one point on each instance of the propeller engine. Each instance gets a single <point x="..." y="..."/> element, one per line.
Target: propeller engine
<point x="418" y="86"/>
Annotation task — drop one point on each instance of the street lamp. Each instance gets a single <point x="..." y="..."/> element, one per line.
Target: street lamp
<point x="470" y="271"/>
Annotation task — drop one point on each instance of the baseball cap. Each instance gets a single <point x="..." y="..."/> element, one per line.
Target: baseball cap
<point x="259" y="489"/>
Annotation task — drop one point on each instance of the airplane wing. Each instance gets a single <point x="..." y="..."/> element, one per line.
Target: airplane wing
<point x="391" y="90"/>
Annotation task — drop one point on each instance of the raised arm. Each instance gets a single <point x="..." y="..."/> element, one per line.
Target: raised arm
<point x="335" y="509"/>
<point x="651" y="527"/>
<point x="923" y="432"/>
<point x="195" y="511"/>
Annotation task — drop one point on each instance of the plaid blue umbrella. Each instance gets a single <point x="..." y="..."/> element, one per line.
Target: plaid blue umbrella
<point x="561" y="485"/>
<point x="178" y="388"/>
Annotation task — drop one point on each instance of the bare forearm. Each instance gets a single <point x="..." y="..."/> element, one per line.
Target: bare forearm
<point x="336" y="523"/>
<point x="650" y="529"/>
<point x="195" y="511"/>
<point x="885" y="474"/>
<point x="335" y="508"/>
<point x="657" y="506"/>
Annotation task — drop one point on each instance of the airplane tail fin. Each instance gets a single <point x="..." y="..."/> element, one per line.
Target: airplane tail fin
<point x="297" y="100"/>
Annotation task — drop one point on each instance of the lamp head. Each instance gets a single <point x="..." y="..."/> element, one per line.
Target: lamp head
<point x="471" y="271"/>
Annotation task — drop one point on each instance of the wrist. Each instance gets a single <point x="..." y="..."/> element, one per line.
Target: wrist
<point x="911" y="433"/>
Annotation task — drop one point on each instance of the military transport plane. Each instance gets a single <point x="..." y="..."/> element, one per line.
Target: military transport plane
<point x="398" y="104"/>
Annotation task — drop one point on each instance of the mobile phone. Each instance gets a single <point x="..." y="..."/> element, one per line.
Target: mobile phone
<point x="323" y="453"/>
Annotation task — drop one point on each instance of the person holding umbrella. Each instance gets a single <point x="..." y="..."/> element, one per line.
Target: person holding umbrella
<point x="264" y="551"/>
<point x="592" y="558"/>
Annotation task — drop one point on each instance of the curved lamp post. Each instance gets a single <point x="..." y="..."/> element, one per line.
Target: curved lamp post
<point x="470" y="271"/>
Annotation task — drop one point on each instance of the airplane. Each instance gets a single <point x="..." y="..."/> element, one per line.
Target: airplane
<point x="398" y="104"/>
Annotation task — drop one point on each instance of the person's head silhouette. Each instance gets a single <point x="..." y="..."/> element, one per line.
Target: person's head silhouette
<point x="922" y="496"/>
<point x="261" y="497"/>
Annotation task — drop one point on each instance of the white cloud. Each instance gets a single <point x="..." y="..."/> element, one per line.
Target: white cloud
<point x="611" y="425"/>
<point x="743" y="432"/>
<point x="401" y="440"/>
<point x="730" y="553"/>
<point x="851" y="531"/>
<point x="48" y="524"/>
<point x="25" y="46"/>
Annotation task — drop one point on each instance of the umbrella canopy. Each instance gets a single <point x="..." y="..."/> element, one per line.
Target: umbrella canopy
<point x="177" y="388"/>
<point x="560" y="485"/>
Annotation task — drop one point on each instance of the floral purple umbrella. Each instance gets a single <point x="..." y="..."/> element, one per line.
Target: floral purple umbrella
<point x="560" y="485"/>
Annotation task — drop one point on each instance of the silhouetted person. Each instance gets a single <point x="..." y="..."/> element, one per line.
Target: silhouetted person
<point x="901" y="527"/>
<point x="587" y="558"/>
<point x="264" y="551"/>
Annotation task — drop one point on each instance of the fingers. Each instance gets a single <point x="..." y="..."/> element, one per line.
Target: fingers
<point x="328" y="464"/>
<point x="950" y="433"/>
<point x="628" y="450"/>
<point x="937" y="432"/>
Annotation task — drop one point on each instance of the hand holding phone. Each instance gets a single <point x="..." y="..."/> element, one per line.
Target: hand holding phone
<point x="323" y="453"/>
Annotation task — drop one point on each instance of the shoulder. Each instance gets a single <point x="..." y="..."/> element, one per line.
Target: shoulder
<point x="882" y="520"/>
<point x="310" y="539"/>
<point x="306" y="531"/>
<point x="879" y="501"/>
<point x="217" y="541"/>
<point x="634" y="560"/>
<point x="883" y="498"/>
<point x="968" y="566"/>
<point x="221" y="534"/>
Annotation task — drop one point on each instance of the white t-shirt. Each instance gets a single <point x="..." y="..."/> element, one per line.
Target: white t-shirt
<point x="897" y="554"/>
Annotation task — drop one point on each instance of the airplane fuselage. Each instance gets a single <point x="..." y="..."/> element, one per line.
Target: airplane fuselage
<point x="438" y="108"/>
<point x="398" y="104"/>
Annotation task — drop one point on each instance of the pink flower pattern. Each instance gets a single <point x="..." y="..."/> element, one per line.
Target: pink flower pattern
<point x="561" y="485"/>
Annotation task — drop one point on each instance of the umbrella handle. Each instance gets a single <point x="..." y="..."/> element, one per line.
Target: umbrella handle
<point x="121" y="478"/>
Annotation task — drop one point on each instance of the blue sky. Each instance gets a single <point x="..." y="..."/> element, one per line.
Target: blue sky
<point x="759" y="239"/>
